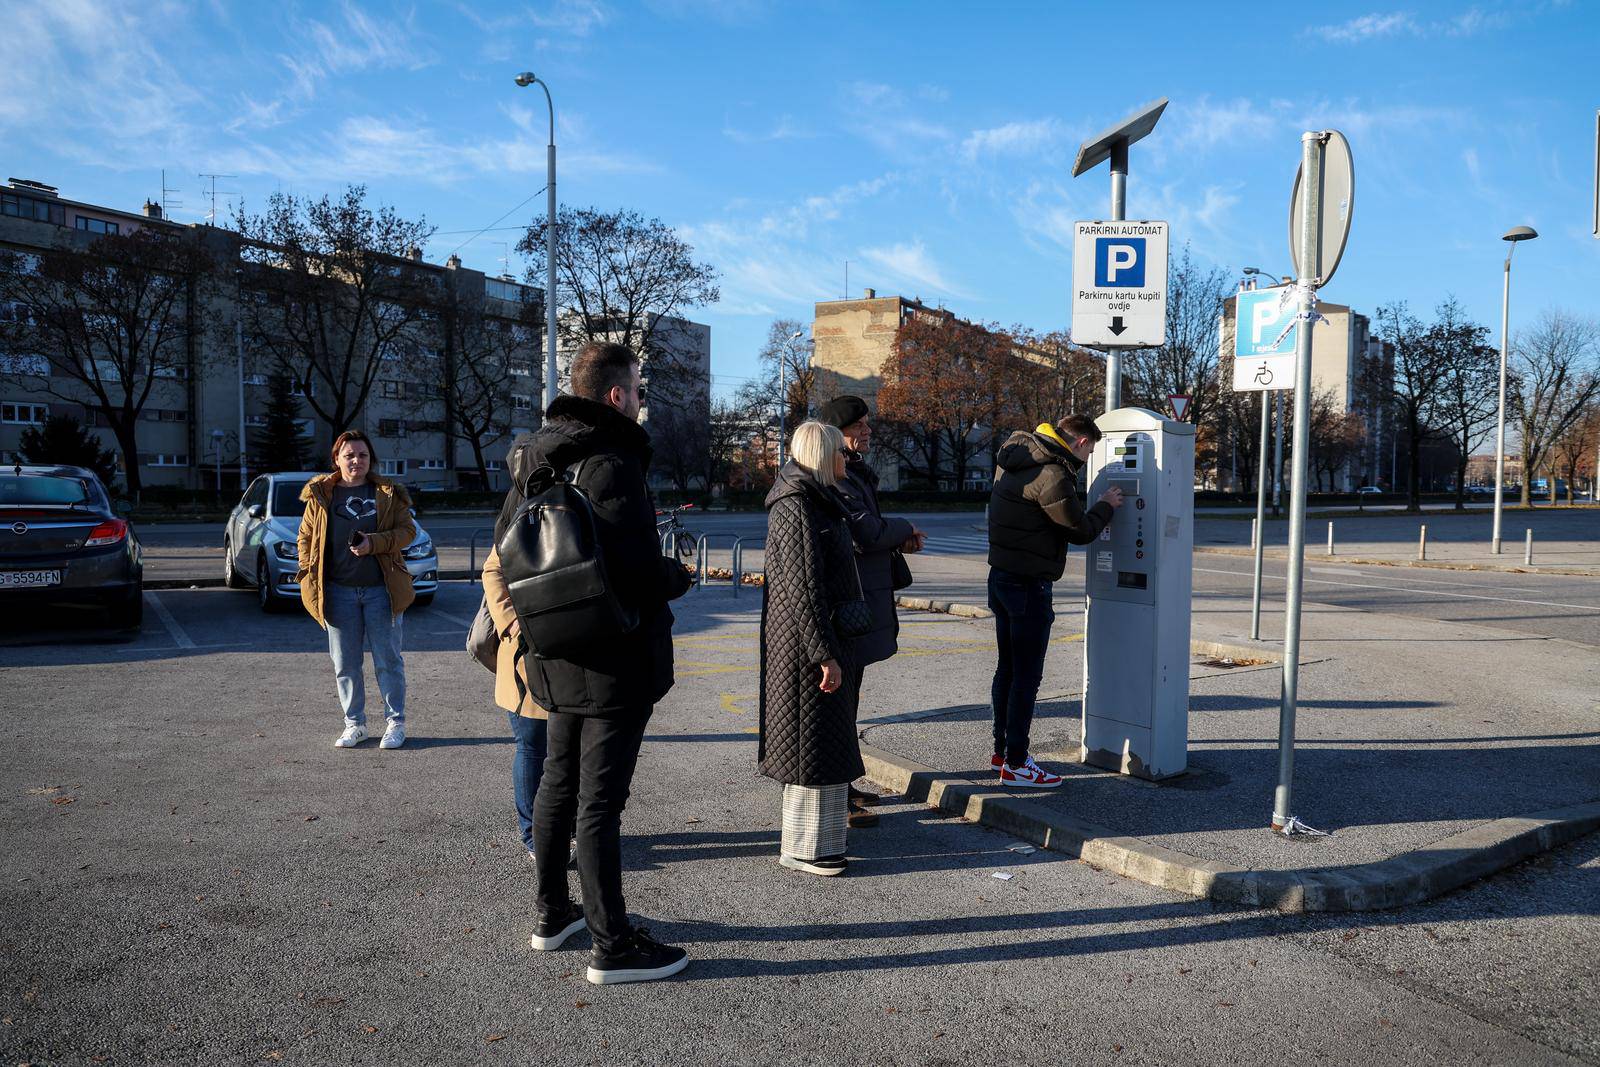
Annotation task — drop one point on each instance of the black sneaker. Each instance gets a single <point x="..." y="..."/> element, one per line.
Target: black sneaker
<point x="641" y="959"/>
<point x="555" y="928"/>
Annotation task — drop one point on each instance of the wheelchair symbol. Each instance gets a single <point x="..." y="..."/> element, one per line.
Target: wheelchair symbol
<point x="1263" y="375"/>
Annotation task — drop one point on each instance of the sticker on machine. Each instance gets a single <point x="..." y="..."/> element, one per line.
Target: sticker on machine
<point x="1172" y="526"/>
<point x="1102" y="561"/>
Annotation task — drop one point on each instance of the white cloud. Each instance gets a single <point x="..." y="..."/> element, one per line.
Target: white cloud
<point x="1367" y="27"/>
<point x="904" y="262"/>
<point x="1013" y="139"/>
<point x="785" y="129"/>
<point x="579" y="18"/>
<point x="1204" y="124"/>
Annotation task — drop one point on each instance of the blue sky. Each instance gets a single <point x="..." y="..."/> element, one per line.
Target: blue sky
<point x="928" y="144"/>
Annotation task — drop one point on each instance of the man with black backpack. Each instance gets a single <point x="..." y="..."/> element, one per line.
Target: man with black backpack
<point x="600" y="694"/>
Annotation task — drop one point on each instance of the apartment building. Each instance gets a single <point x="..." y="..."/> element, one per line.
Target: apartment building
<point x="206" y="407"/>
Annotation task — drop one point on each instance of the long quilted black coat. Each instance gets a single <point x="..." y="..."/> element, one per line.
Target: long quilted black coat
<point x="808" y="737"/>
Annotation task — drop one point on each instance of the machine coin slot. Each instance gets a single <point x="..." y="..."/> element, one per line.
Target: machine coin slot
<point x="1131" y="580"/>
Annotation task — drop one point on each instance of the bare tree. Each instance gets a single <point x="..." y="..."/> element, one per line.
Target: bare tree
<point x="1555" y="380"/>
<point x="1336" y="437"/>
<point x="334" y="289"/>
<point x="785" y="382"/>
<point x="104" y="324"/>
<point x="1187" y="364"/>
<point x="488" y="364"/>
<point x="942" y="391"/>
<point x="1468" y="395"/>
<point x="1420" y="367"/>
<point x="1056" y="378"/>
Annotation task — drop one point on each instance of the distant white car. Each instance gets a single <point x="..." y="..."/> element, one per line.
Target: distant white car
<point x="1369" y="490"/>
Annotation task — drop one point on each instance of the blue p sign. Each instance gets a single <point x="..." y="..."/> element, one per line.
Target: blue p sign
<point x="1119" y="261"/>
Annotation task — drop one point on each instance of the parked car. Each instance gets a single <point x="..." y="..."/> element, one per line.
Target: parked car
<point x="1369" y="490"/>
<point x="260" y="544"/>
<point x="1480" y="490"/>
<point x="61" y="541"/>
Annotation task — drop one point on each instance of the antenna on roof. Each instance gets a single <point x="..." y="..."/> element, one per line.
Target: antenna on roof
<point x="211" y="219"/>
<point x="167" y="201"/>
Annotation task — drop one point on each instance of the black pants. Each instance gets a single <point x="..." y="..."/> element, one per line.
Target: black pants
<point x="1023" y="613"/>
<point x="587" y="773"/>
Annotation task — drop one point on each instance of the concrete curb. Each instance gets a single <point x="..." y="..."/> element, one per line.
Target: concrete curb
<point x="1405" y="879"/>
<point x="1216" y="649"/>
<point x="1430" y="564"/>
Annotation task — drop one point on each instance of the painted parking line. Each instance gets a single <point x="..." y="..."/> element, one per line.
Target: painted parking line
<point x="435" y="613"/>
<point x="1423" y="592"/>
<point x="168" y="621"/>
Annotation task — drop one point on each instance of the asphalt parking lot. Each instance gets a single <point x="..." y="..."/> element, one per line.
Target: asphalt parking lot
<point x="196" y="875"/>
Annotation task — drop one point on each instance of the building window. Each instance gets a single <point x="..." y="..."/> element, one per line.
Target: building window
<point x="15" y="363"/>
<point x="431" y="465"/>
<point x="390" y="389"/>
<point x="24" y="414"/>
<point x="391" y="427"/>
<point x="17" y="314"/>
<point x="261" y="379"/>
<point x="26" y="207"/>
<point x="261" y="420"/>
<point x="521" y="403"/>
<point x="163" y="459"/>
<point x="163" y="414"/>
<point x="494" y="465"/>
<point x="299" y="388"/>
<point x="97" y="225"/>
<point x="179" y="373"/>
<point x="392" y="468"/>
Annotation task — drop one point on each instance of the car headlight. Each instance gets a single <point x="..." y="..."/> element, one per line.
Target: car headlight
<point x="420" y="550"/>
<point x="287" y="550"/>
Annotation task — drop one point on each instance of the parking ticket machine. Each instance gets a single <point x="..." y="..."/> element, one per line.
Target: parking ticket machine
<point x="1138" y="582"/>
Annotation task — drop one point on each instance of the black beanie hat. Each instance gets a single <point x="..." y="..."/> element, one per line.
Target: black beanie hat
<point x="841" y="411"/>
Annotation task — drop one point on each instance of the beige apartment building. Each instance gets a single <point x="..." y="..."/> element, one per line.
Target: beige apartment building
<point x="190" y="429"/>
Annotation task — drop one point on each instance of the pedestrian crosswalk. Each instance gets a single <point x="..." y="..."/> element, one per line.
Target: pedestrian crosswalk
<point x="957" y="544"/>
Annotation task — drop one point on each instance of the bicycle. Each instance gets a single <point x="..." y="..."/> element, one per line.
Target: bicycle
<point x="676" y="538"/>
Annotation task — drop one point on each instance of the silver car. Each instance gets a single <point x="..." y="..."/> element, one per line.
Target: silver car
<point x="260" y="544"/>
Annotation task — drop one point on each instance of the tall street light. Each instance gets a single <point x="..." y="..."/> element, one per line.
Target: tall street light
<point x="1515" y="234"/>
<point x="525" y="79"/>
<point x="783" y="393"/>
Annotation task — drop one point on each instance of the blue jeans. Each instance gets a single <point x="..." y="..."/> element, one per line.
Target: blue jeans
<point x="1023" y="614"/>
<point x="359" y="618"/>
<point x="527" y="768"/>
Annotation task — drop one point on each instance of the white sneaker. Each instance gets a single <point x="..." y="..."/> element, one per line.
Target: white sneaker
<point x="393" y="737"/>
<point x="352" y="736"/>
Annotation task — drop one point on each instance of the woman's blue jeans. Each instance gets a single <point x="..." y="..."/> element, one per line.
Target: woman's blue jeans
<point x="527" y="768"/>
<point x="359" y="618"/>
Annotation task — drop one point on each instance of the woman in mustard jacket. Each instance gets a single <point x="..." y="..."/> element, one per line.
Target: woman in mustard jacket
<point x="354" y="582"/>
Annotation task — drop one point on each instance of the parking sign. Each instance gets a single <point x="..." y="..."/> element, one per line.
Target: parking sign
<point x="1119" y="291"/>
<point x="1263" y="353"/>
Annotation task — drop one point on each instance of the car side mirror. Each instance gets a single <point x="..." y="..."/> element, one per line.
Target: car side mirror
<point x="123" y="508"/>
<point x="256" y="511"/>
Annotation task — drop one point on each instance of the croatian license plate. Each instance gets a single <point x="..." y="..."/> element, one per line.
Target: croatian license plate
<point x="29" y="579"/>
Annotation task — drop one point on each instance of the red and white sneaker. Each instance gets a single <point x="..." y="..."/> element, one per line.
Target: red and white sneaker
<point x="1030" y="775"/>
<point x="996" y="762"/>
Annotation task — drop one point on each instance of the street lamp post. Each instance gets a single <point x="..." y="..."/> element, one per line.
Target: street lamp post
<point x="525" y="79"/>
<point x="1515" y="234"/>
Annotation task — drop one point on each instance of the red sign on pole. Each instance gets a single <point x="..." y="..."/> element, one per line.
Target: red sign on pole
<point x="1180" y="405"/>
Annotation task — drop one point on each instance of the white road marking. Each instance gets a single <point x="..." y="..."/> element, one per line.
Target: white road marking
<point x="168" y="621"/>
<point x="1424" y="592"/>
<point x="1422" y="581"/>
<point x="435" y="613"/>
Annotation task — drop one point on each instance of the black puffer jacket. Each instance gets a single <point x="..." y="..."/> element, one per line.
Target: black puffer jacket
<point x="876" y="539"/>
<point x="632" y="673"/>
<point x="808" y="737"/>
<point x="1034" y="511"/>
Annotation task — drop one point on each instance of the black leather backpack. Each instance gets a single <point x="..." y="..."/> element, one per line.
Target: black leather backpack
<point x="555" y="571"/>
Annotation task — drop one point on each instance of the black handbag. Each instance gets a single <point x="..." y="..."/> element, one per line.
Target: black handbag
<point x="899" y="571"/>
<point x="853" y="618"/>
<point x="555" y="570"/>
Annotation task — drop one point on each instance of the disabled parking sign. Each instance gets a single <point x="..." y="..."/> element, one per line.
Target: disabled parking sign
<point x="1264" y="334"/>
<point x="1119" y="284"/>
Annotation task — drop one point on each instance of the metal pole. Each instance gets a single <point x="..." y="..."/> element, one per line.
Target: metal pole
<point x="1311" y="145"/>
<point x="1500" y="420"/>
<point x="783" y="406"/>
<point x="1277" y="451"/>
<point x="1119" y="212"/>
<point x="238" y="348"/>
<point x="550" y="375"/>
<point x="1527" y="552"/>
<point x="1261" y="514"/>
<point x="1422" y="543"/>
<point x="1330" y="537"/>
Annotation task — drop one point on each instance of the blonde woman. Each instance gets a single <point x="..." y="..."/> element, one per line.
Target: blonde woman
<point x="811" y="609"/>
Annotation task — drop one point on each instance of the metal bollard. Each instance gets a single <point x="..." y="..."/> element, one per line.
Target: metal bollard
<point x="1422" y="543"/>
<point x="1330" y="537"/>
<point x="1255" y="532"/>
<point x="1527" y="552"/>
